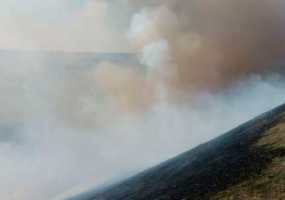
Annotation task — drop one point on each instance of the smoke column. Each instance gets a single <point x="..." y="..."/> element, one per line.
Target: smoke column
<point x="206" y="45"/>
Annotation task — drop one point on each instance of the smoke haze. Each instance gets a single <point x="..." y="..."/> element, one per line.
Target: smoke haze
<point x="70" y="122"/>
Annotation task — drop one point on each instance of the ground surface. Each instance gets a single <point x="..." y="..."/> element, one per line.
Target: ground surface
<point x="269" y="183"/>
<point x="245" y="163"/>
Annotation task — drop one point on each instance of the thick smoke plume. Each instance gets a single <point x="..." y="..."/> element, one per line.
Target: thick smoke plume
<point x="196" y="45"/>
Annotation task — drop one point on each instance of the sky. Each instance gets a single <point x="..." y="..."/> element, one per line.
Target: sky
<point x="60" y="25"/>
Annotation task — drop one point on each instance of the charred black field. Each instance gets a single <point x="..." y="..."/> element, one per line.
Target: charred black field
<point x="248" y="162"/>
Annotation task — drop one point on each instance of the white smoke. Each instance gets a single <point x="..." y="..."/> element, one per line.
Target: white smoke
<point x="47" y="156"/>
<point x="155" y="54"/>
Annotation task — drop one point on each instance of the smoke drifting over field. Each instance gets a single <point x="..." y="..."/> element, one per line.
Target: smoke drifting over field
<point x="203" y="67"/>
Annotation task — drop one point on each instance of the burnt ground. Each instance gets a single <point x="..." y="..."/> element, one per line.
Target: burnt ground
<point x="245" y="163"/>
